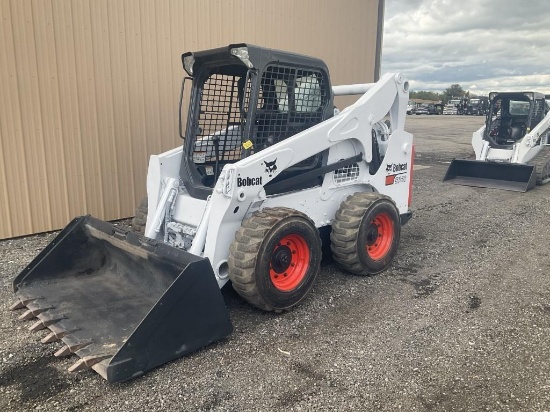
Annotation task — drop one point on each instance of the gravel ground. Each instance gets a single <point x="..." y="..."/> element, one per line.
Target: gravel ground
<point x="460" y="321"/>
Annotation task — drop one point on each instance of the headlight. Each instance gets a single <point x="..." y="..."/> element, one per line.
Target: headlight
<point x="188" y="62"/>
<point x="227" y="183"/>
<point x="242" y="54"/>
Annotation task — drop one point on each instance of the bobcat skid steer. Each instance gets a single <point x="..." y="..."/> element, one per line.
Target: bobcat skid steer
<point x="266" y="162"/>
<point x="513" y="146"/>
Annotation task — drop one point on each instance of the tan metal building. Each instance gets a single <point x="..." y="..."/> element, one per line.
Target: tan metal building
<point x="90" y="88"/>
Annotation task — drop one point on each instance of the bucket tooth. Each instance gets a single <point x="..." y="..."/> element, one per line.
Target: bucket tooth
<point x="64" y="351"/>
<point x="50" y="338"/>
<point x="27" y="315"/>
<point x="87" y="362"/>
<point x="17" y="305"/>
<point x="68" y="350"/>
<point x="56" y="334"/>
<point x="36" y="326"/>
<point x="60" y="330"/>
<point x="33" y="311"/>
<point x="20" y="303"/>
<point x="43" y="324"/>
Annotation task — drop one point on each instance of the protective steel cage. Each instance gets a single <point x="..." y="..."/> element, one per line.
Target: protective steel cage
<point x="290" y="100"/>
<point x="219" y="119"/>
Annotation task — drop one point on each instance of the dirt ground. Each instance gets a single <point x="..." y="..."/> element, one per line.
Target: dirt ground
<point x="460" y="321"/>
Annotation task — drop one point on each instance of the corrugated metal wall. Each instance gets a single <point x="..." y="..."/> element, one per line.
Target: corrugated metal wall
<point x="90" y="88"/>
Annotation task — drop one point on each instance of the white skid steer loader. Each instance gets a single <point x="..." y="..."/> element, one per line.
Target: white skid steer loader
<point x="512" y="148"/>
<point x="267" y="161"/>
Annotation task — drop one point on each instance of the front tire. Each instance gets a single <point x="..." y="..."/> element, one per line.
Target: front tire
<point x="365" y="233"/>
<point x="275" y="258"/>
<point x="140" y="219"/>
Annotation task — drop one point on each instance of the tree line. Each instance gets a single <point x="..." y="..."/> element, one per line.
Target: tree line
<point x="453" y="92"/>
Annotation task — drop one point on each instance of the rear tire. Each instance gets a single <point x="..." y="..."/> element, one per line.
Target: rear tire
<point x="140" y="219"/>
<point x="541" y="162"/>
<point x="365" y="233"/>
<point x="275" y="258"/>
<point x="544" y="174"/>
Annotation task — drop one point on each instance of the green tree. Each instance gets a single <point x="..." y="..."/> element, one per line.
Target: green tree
<point x="455" y="91"/>
<point x="425" y="95"/>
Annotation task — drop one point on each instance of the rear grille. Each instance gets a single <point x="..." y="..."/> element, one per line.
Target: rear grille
<point x="346" y="174"/>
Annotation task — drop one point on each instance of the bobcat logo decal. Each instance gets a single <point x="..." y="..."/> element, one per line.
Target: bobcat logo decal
<point x="271" y="167"/>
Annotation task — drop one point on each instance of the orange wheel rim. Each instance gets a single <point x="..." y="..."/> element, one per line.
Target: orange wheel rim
<point x="380" y="236"/>
<point x="289" y="262"/>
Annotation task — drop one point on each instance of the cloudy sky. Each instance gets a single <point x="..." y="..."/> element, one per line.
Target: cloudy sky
<point x="483" y="45"/>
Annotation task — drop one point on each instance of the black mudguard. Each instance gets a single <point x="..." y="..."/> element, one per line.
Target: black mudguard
<point x="122" y="302"/>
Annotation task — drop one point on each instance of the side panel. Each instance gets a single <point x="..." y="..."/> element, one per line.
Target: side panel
<point x="320" y="209"/>
<point x="478" y="142"/>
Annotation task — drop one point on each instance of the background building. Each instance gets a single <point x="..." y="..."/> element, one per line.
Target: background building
<point x="90" y="88"/>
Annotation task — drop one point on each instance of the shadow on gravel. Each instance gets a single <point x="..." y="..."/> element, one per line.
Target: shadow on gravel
<point x="423" y="287"/>
<point x="35" y="379"/>
<point x="474" y="303"/>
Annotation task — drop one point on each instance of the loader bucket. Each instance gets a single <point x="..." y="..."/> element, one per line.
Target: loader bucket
<point x="507" y="176"/>
<point x="122" y="302"/>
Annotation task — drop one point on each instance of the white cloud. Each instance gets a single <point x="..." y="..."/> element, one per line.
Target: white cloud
<point x="482" y="45"/>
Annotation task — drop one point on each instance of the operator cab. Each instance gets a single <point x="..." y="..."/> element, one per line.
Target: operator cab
<point x="511" y="116"/>
<point x="244" y="99"/>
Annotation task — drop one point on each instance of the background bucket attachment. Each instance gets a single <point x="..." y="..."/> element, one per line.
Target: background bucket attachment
<point x="507" y="176"/>
<point x="122" y="302"/>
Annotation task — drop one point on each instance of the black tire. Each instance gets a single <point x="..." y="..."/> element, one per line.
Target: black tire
<point x="542" y="165"/>
<point x="140" y="219"/>
<point x="365" y="233"/>
<point x="267" y="273"/>
<point x="543" y="177"/>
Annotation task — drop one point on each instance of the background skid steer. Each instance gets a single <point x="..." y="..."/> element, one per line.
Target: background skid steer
<point x="512" y="148"/>
<point x="266" y="163"/>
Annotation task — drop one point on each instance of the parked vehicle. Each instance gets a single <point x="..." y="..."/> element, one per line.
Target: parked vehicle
<point x="453" y="107"/>
<point x="438" y="108"/>
<point x="512" y="148"/>
<point x="477" y="106"/>
<point x="426" y="109"/>
<point x="450" y="109"/>
<point x="422" y="109"/>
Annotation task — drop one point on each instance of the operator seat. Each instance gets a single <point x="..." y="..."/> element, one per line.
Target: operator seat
<point x="270" y="122"/>
<point x="504" y="129"/>
<point x="517" y="131"/>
